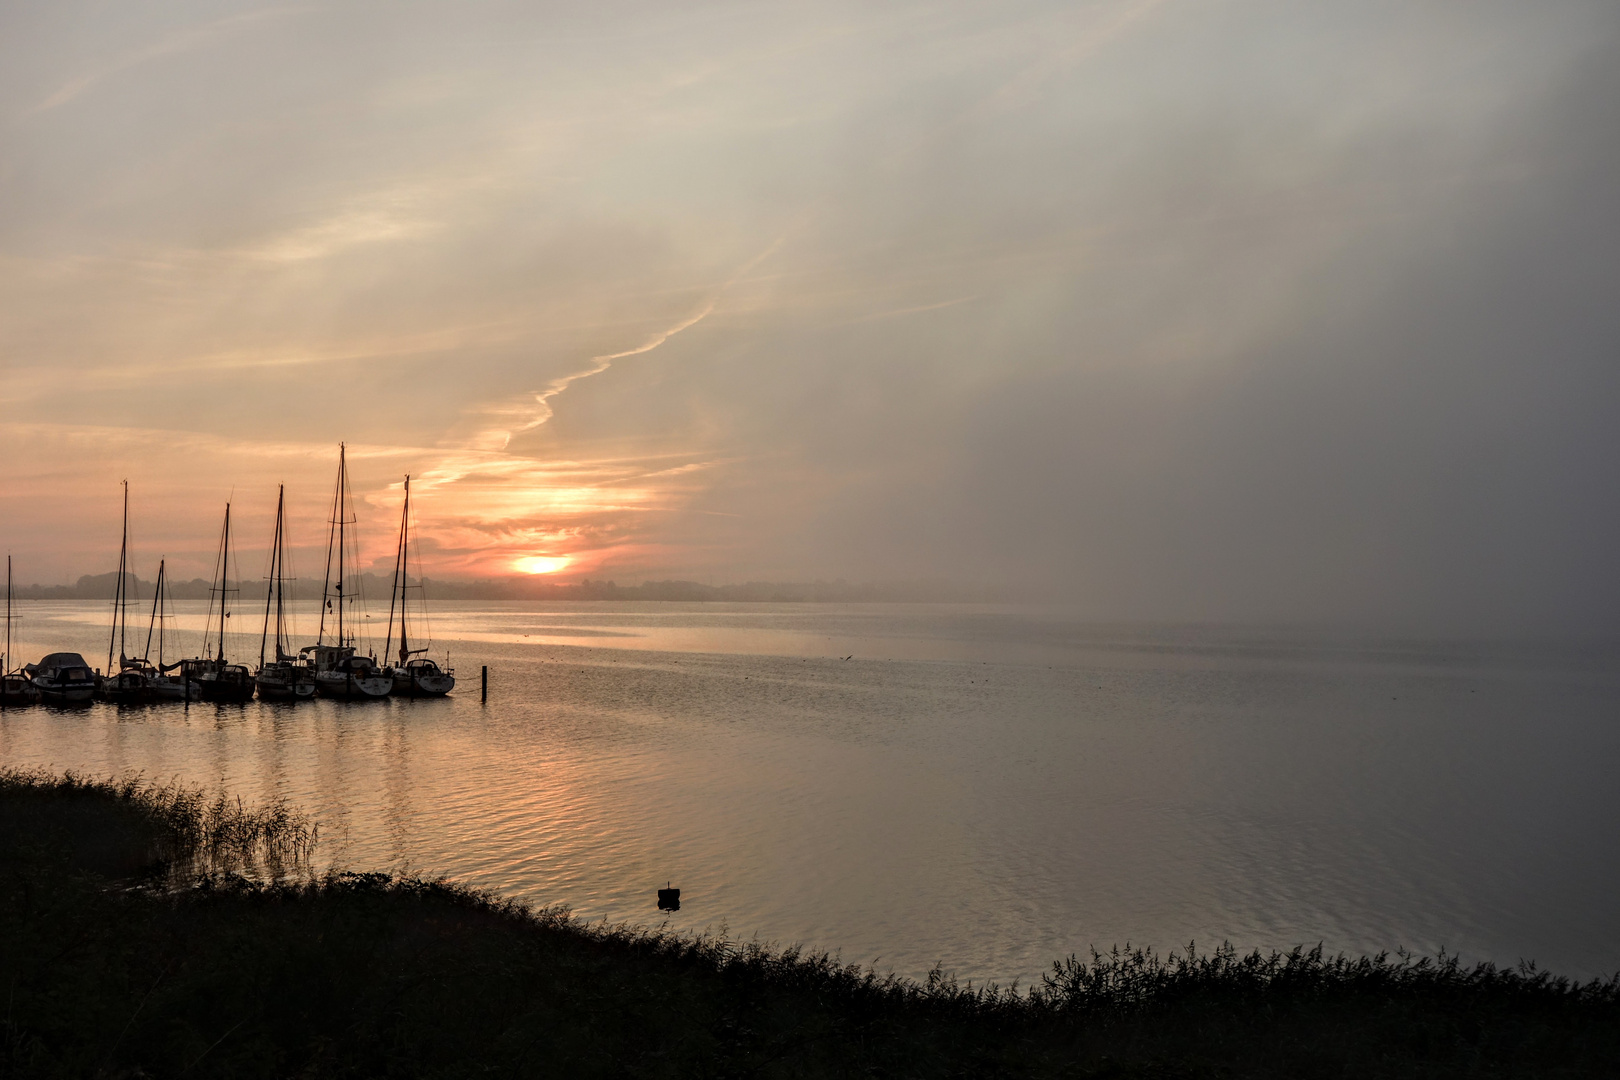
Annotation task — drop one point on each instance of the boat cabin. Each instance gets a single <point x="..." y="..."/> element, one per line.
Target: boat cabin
<point x="67" y="666"/>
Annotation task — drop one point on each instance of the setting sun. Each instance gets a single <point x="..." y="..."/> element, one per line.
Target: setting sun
<point x="542" y="564"/>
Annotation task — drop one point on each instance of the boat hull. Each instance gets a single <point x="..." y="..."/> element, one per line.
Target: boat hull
<point x="68" y="694"/>
<point x="17" y="692"/>
<point x="231" y="685"/>
<point x="125" y="688"/>
<point x="413" y="684"/>
<point x="226" y="694"/>
<point x="346" y="686"/>
<point x="282" y="686"/>
<point x="164" y="688"/>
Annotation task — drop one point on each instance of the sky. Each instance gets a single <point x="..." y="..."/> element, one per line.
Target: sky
<point x="1162" y="309"/>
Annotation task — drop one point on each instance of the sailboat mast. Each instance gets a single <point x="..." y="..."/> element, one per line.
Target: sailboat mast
<point x="331" y="529"/>
<point x="118" y="590"/>
<point x="157" y="591"/>
<point x="224" y="581"/>
<point x="404" y="569"/>
<point x="5" y="661"/>
<point x="397" y="589"/>
<point x="281" y="574"/>
<point x="275" y="549"/>
<point x="342" y="501"/>
<point x="208" y="621"/>
<point x="162" y="614"/>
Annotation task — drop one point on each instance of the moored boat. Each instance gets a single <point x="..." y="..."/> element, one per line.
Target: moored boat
<point x="421" y="677"/>
<point x="340" y="670"/>
<point x="125" y="684"/>
<point x="161" y="684"/>
<point x="415" y="675"/>
<point x="341" y="673"/>
<point x="287" y="677"/>
<point x="214" y="677"/>
<point x="16" y="691"/>
<point x="226" y="682"/>
<point x="15" y="688"/>
<point x="127" y="687"/>
<point x="63" y="678"/>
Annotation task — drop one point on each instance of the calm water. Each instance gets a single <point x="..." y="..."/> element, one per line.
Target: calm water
<point x="987" y="788"/>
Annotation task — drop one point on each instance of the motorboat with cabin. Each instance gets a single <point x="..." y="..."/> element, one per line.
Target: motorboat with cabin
<point x="415" y="675"/>
<point x="63" y="678"/>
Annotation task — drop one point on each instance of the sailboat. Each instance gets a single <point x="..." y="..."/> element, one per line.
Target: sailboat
<point x="15" y="687"/>
<point x="216" y="678"/>
<point x="339" y="671"/>
<point x="419" y="677"/>
<point x="160" y="684"/>
<point x="286" y="678"/>
<point x="125" y="684"/>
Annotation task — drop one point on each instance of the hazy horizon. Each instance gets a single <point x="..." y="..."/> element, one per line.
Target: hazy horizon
<point x="1214" y="310"/>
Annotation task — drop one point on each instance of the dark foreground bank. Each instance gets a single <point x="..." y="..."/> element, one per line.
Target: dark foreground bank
<point x="134" y="946"/>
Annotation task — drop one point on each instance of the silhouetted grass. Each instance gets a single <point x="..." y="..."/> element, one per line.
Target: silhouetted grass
<point x="370" y="975"/>
<point x="131" y="826"/>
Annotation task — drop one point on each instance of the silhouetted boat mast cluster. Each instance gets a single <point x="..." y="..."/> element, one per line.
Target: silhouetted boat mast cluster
<point x="334" y="668"/>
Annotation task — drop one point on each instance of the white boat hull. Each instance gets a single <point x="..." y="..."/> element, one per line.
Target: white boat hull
<point x="279" y="684"/>
<point x="167" y="688"/>
<point x="412" y="684"/>
<point x="346" y="686"/>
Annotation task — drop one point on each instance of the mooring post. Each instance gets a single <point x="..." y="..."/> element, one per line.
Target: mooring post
<point x="483" y="693"/>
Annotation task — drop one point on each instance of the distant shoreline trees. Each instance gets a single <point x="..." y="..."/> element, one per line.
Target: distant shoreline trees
<point x="101" y="587"/>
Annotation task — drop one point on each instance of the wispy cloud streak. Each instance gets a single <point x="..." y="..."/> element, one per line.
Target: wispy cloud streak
<point x="185" y="41"/>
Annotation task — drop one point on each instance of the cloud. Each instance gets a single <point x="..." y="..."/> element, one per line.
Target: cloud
<point x="1183" y="310"/>
<point x="183" y="41"/>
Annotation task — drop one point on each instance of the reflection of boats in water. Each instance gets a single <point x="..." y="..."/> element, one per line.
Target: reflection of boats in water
<point x="15" y="688"/>
<point x="217" y="679"/>
<point x="125" y="684"/>
<point x="287" y="677"/>
<point x="63" y="678"/>
<point x="418" y="677"/>
<point x="340" y="671"/>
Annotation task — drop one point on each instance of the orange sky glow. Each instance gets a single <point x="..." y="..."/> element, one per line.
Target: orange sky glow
<point x="1166" y="308"/>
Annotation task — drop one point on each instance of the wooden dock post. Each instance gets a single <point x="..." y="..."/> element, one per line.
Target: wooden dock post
<point x="483" y="693"/>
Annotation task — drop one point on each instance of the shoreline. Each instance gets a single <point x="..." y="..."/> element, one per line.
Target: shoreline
<point x="198" y="928"/>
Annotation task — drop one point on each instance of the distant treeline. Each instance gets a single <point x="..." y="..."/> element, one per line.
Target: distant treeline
<point x="103" y="586"/>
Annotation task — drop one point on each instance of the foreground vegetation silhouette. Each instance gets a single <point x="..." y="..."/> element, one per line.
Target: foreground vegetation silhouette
<point x="152" y="931"/>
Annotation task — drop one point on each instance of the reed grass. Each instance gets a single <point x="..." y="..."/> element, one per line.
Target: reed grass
<point x="173" y="830"/>
<point x="345" y="974"/>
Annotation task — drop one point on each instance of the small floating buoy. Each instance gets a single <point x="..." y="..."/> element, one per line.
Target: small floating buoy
<point x="669" y="899"/>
